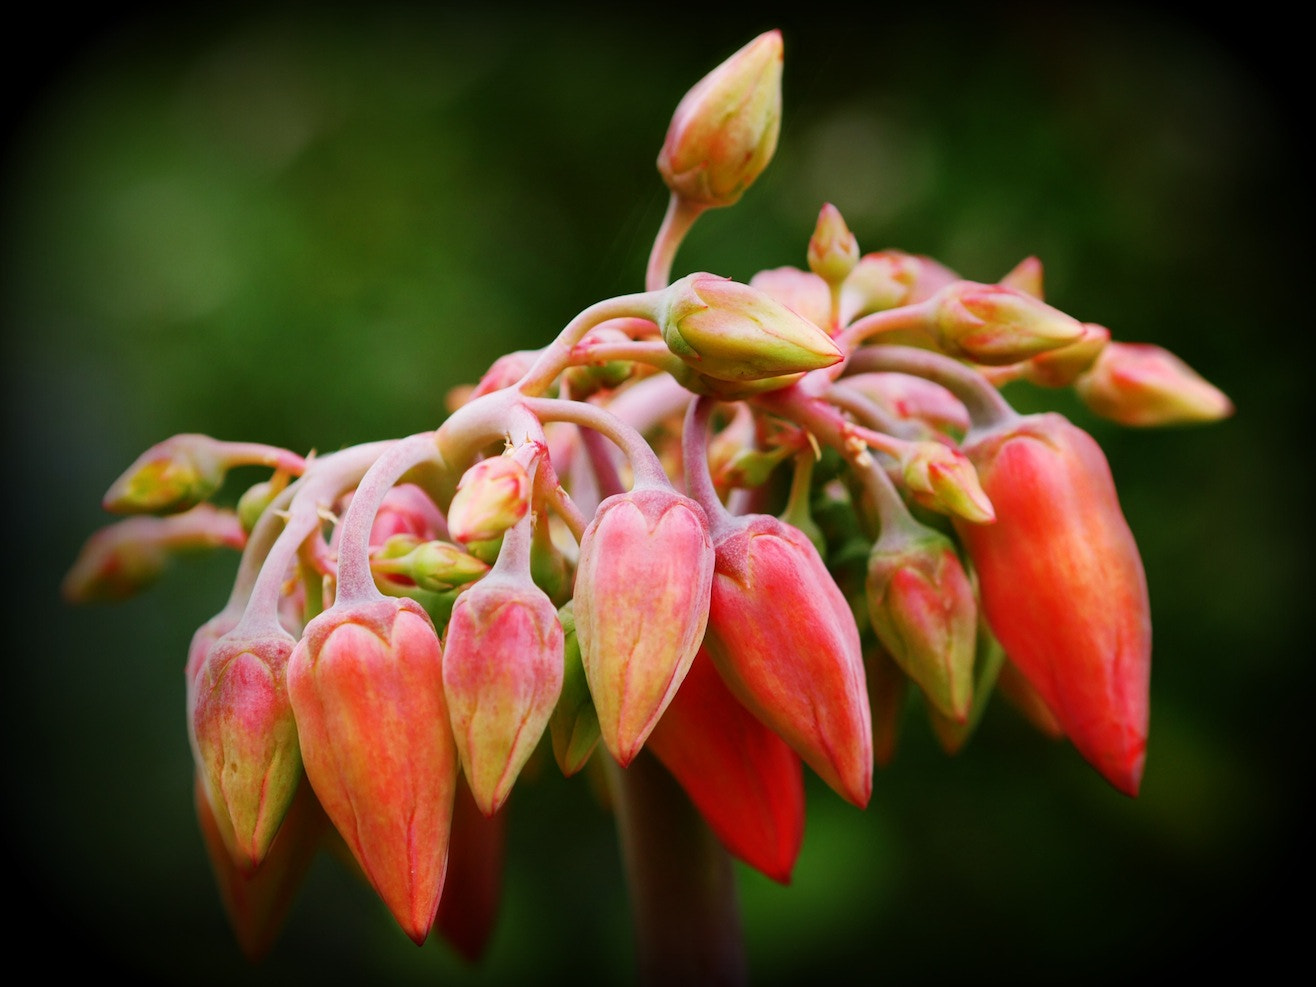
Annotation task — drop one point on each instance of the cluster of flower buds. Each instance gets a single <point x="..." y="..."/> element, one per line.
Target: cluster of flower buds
<point x="726" y="525"/>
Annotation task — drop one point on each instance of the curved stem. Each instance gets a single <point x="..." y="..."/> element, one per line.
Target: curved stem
<point x="680" y="216"/>
<point x="645" y="464"/>
<point x="986" y="407"/>
<point x="915" y="316"/>
<point x="556" y="356"/>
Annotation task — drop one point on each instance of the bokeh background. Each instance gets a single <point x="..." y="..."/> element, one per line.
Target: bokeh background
<point x="303" y="224"/>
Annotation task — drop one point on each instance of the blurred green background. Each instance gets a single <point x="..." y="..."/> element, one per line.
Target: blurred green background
<point x="302" y="224"/>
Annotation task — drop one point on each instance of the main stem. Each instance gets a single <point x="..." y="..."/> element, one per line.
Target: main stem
<point x="681" y="882"/>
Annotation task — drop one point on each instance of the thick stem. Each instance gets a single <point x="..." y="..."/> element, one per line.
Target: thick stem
<point x="681" y="882"/>
<point x="986" y="407"/>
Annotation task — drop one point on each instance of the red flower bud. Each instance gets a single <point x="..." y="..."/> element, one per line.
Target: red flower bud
<point x="743" y="778"/>
<point x="366" y="684"/>
<point x="502" y="675"/>
<point x="641" y="606"/>
<point x="1063" y="587"/>
<point x="785" y="640"/>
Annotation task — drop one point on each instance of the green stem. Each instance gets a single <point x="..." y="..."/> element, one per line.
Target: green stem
<point x="681" y="882"/>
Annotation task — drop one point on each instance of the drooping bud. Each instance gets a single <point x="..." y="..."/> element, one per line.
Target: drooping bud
<point x="171" y="476"/>
<point x="641" y="605"/>
<point x="732" y="332"/>
<point x="258" y="901"/>
<point x="491" y="497"/>
<point x="724" y="131"/>
<point x="1141" y="385"/>
<point x="574" y="725"/>
<point x="995" y="325"/>
<point x="833" y="250"/>
<point x="785" y="641"/>
<point x="502" y="675"/>
<point x="244" y="739"/>
<point x="124" y="558"/>
<point x="1063" y="588"/>
<point x="366" y="684"/>
<point x="743" y="778"/>
<point x="922" y="608"/>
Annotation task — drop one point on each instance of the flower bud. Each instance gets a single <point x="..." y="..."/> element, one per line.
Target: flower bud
<point x="922" y="608"/>
<point x="724" y="131"/>
<point x="574" y="725"/>
<point x="942" y="479"/>
<point x="730" y="331"/>
<point x="833" y="250"/>
<point x="879" y="281"/>
<point x="407" y="510"/>
<point x="124" y="558"/>
<point x="1063" y="366"/>
<point x="171" y="476"/>
<point x="491" y="497"/>
<point x="641" y="606"/>
<point x="994" y="325"/>
<point x="435" y="566"/>
<point x="1063" y="588"/>
<point x="502" y="675"/>
<point x="366" y="683"/>
<point x="257" y="902"/>
<point x="743" y="778"/>
<point x="1142" y="385"/>
<point x="1026" y="276"/>
<point x="785" y="641"/>
<point x="244" y="739"/>
<point x="913" y="399"/>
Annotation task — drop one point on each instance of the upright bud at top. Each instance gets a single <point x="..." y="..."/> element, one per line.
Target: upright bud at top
<point x="492" y="496"/>
<point x="729" y="331"/>
<point x="1138" y="384"/>
<point x="724" y="132"/>
<point x="833" y="249"/>
<point x="994" y="325"/>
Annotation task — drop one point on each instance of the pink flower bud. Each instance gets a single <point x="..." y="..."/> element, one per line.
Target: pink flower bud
<point x="732" y="332"/>
<point x="942" y="479"/>
<point x="1064" y="365"/>
<point x="922" y="608"/>
<point x="491" y="497"/>
<point x="244" y="739"/>
<point x="1063" y="588"/>
<point x="724" y="131"/>
<point x="833" y="250"/>
<point x="366" y="684"/>
<point x="1138" y="384"/>
<point x="641" y="606"/>
<point x="743" y="778"/>
<point x="879" y="281"/>
<point x="994" y="325"/>
<point x="407" y="510"/>
<point x="502" y="675"/>
<point x="258" y="901"/>
<point x="785" y="640"/>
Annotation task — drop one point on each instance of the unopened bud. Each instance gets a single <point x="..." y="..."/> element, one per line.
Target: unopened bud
<point x="170" y="477"/>
<point x="491" y="497"/>
<point x="1063" y="366"/>
<point x="833" y="250"/>
<point x="724" y="131"/>
<point x="994" y="326"/>
<point x="943" y="479"/>
<point x="1137" y="384"/>
<point x="733" y="332"/>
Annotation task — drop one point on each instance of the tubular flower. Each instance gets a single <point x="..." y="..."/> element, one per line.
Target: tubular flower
<point x="641" y="607"/>
<point x="785" y="640"/>
<point x="244" y="739"/>
<point x="743" y="778"/>
<point x="366" y="684"/>
<point x="502" y="675"/>
<point x="1063" y="587"/>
